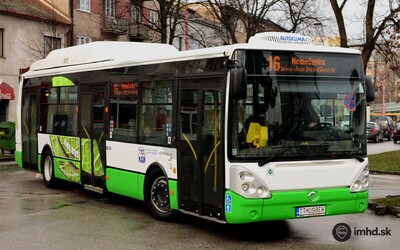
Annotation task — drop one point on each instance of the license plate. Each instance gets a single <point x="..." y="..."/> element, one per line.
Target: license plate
<point x="310" y="211"/>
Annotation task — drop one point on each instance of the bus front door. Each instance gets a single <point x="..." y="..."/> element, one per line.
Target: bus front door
<point x="92" y="111"/>
<point x="200" y="162"/>
<point x="29" y="128"/>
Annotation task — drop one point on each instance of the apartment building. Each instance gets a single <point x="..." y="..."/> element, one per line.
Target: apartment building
<point x="29" y="30"/>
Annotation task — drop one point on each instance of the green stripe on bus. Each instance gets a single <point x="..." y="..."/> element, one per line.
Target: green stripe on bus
<point x="282" y="205"/>
<point x="125" y="183"/>
<point x="18" y="158"/>
<point x="173" y="193"/>
<point x="132" y="185"/>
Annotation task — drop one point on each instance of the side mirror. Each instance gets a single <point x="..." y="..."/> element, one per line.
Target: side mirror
<point x="238" y="83"/>
<point x="369" y="88"/>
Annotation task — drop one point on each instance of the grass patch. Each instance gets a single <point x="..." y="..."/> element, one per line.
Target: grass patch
<point x="389" y="201"/>
<point x="389" y="161"/>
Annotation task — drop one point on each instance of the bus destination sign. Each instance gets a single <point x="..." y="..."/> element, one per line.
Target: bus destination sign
<point x="124" y="89"/>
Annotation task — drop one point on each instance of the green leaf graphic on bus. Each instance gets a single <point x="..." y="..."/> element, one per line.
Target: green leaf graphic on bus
<point x="98" y="165"/>
<point x="87" y="157"/>
<point x="66" y="147"/>
<point x="68" y="169"/>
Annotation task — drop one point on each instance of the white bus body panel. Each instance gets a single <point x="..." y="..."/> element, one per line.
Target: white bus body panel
<point x="137" y="158"/>
<point x="300" y="175"/>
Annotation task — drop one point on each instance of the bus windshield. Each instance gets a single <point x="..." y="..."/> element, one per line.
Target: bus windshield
<point x="309" y="107"/>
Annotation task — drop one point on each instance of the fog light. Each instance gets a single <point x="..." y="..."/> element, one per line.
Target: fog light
<point x="260" y="191"/>
<point x="245" y="187"/>
<point x="357" y="185"/>
<point x="242" y="175"/>
<point x="263" y="192"/>
<point x="366" y="170"/>
<point x="365" y="181"/>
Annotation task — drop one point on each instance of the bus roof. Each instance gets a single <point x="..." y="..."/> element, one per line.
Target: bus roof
<point x="107" y="54"/>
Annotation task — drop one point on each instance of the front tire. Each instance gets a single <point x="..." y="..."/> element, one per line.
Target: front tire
<point x="157" y="196"/>
<point x="48" y="169"/>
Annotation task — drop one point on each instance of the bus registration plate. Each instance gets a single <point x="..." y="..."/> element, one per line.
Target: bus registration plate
<point x="310" y="211"/>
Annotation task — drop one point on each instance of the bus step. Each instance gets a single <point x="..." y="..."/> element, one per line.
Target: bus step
<point x="93" y="188"/>
<point x="202" y="216"/>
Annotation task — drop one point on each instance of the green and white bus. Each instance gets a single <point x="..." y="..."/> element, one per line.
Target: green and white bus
<point x="214" y="132"/>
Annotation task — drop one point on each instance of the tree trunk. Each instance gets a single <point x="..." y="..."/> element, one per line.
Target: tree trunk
<point x="340" y="22"/>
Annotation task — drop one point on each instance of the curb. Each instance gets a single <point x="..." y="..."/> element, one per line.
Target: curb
<point x="384" y="172"/>
<point x="383" y="210"/>
<point x="7" y="158"/>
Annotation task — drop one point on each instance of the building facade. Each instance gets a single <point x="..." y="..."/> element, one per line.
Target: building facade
<point x="29" y="30"/>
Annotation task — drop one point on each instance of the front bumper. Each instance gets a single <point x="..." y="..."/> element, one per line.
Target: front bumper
<point x="282" y="205"/>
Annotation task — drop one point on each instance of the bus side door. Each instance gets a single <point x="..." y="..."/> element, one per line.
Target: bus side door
<point x="93" y="108"/>
<point x="29" y="127"/>
<point x="200" y="163"/>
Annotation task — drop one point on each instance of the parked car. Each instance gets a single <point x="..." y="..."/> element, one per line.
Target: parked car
<point x="374" y="132"/>
<point x="387" y="125"/>
<point x="396" y="133"/>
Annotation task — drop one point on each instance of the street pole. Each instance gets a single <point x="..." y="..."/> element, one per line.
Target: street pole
<point x="383" y="98"/>
<point x="186" y="27"/>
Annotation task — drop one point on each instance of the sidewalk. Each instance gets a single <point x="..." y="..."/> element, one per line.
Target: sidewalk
<point x="7" y="157"/>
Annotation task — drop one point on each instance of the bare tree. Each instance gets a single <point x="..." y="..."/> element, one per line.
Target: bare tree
<point x="51" y="34"/>
<point x="389" y="48"/>
<point x="302" y="16"/>
<point x="376" y="27"/>
<point x="168" y="18"/>
<point x="240" y="17"/>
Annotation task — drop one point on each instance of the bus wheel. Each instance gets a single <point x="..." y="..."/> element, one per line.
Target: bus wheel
<point x="157" y="196"/>
<point x="48" y="169"/>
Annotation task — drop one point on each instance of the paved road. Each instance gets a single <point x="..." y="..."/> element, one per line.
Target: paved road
<point x="34" y="217"/>
<point x="385" y="146"/>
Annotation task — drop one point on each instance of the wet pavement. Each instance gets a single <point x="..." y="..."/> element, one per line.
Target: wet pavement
<point x="35" y="217"/>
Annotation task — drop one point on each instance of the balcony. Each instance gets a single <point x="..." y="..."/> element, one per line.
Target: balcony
<point x="114" y="25"/>
<point x="138" y="32"/>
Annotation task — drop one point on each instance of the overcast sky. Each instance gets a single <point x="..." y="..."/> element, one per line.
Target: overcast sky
<point x="354" y="13"/>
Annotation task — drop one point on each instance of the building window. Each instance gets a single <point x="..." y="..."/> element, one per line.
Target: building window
<point x="193" y="44"/>
<point x="153" y="19"/>
<point x="82" y="40"/>
<point x="84" y="5"/>
<point x="177" y="42"/>
<point x="1" y="43"/>
<point x="51" y="43"/>
<point x="135" y="13"/>
<point x="109" y="7"/>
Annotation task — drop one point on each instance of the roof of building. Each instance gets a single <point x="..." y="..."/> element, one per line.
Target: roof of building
<point x="33" y="9"/>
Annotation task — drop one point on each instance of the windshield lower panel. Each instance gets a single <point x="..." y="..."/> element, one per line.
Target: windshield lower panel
<point x="297" y="117"/>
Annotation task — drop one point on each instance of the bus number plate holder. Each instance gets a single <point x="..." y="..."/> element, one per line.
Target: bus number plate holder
<point x="310" y="211"/>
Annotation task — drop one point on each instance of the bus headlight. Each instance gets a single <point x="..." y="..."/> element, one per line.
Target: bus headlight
<point x="247" y="184"/>
<point x="361" y="182"/>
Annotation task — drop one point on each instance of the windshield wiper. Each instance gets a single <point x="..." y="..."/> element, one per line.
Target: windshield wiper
<point x="301" y="146"/>
<point x="263" y="162"/>
<point x="359" y="158"/>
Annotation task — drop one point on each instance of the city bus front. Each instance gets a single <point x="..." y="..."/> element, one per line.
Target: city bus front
<point x="296" y="136"/>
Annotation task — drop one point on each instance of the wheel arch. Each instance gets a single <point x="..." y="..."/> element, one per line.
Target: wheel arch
<point x="153" y="167"/>
<point x="44" y="149"/>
